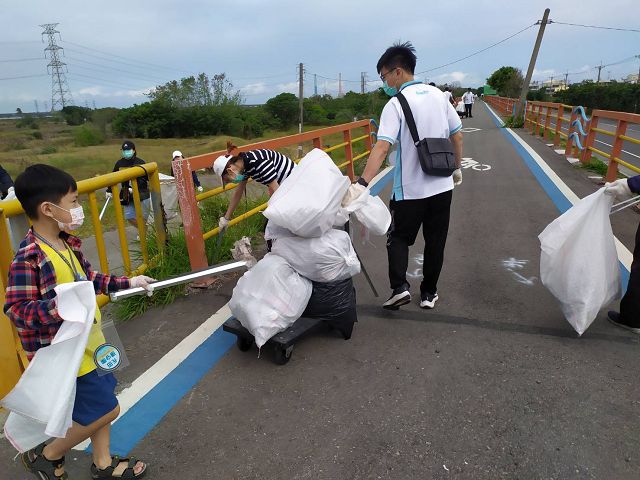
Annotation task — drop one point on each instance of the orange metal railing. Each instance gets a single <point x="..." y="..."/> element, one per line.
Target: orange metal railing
<point x="581" y="132"/>
<point x="504" y="105"/>
<point x="188" y="200"/>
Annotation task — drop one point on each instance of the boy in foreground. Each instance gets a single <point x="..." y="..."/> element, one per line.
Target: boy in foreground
<point x="49" y="256"/>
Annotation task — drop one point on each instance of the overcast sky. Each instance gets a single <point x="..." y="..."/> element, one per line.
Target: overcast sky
<point x="115" y="51"/>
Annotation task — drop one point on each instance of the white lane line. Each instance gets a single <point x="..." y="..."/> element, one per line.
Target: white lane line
<point x="624" y="255"/>
<point x="159" y="370"/>
<point x="623" y="151"/>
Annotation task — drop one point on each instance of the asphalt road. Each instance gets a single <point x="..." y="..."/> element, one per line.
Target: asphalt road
<point x="492" y="384"/>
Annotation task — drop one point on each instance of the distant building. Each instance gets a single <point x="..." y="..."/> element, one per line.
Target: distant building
<point x="633" y="78"/>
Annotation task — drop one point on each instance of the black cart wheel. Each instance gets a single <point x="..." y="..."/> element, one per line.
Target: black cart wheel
<point x="283" y="355"/>
<point x="244" y="344"/>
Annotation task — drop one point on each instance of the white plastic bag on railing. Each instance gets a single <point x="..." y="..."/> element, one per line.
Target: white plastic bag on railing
<point x="269" y="298"/>
<point x="369" y="210"/>
<point x="329" y="258"/>
<point x="579" y="262"/>
<point x="307" y="203"/>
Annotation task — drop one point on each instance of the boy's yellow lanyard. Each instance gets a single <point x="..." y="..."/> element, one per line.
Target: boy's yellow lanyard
<point x="68" y="275"/>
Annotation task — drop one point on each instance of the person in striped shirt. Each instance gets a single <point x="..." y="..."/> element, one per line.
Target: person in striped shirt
<point x="265" y="166"/>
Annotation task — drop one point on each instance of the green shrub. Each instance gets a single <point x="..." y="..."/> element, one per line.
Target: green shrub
<point x="86" y="136"/>
<point x="48" y="149"/>
<point x="37" y="135"/>
<point x="15" y="144"/>
<point x="512" y="122"/>
<point x="27" y="122"/>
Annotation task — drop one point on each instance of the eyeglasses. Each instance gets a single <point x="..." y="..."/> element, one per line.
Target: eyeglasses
<point x="385" y="74"/>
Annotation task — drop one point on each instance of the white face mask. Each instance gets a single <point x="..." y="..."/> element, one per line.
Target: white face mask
<point x="77" y="218"/>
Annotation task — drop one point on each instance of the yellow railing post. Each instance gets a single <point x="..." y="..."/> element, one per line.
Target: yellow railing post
<point x="97" y="228"/>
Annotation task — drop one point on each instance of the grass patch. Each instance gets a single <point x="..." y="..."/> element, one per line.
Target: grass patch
<point x="49" y="149"/>
<point x="87" y="136"/>
<point x="175" y="261"/>
<point x="514" y="122"/>
<point x="596" y="165"/>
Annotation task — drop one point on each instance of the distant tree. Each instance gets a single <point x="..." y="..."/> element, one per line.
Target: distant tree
<point x="74" y="115"/>
<point x="507" y="81"/>
<point x="18" y="111"/>
<point x="197" y="91"/>
<point x="284" y="108"/>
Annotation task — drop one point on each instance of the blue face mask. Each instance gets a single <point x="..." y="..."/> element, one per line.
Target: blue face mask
<point x="239" y="178"/>
<point x="128" y="154"/>
<point x="391" y="91"/>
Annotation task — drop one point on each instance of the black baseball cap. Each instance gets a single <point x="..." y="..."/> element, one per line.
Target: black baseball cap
<point x="128" y="145"/>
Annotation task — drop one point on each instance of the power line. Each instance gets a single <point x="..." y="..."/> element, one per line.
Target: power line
<point x="128" y="58"/>
<point x="596" y="26"/>
<point x="16" y="60"/>
<point x="479" y="51"/>
<point x="109" y="68"/>
<point x="26" y="76"/>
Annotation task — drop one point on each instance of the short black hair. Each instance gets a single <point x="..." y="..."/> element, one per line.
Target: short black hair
<point x="446" y="89"/>
<point x="399" y="55"/>
<point x="433" y="84"/>
<point x="42" y="183"/>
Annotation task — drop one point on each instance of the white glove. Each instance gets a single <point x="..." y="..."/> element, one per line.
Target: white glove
<point x="142" y="281"/>
<point x="457" y="177"/>
<point x="108" y="195"/>
<point x="619" y="188"/>
<point x="200" y="188"/>
<point x="355" y="190"/>
<point x="223" y="223"/>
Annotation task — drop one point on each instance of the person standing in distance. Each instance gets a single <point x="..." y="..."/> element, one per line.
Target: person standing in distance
<point x="449" y="96"/>
<point x="177" y="155"/>
<point x="468" y="99"/>
<point x="417" y="200"/>
<point x="130" y="159"/>
<point x="629" y="315"/>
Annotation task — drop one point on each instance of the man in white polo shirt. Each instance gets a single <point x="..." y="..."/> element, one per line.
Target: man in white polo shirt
<point x="468" y="98"/>
<point x="418" y="200"/>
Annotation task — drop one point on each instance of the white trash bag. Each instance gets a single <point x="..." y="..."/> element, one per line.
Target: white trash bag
<point x="329" y="258"/>
<point x="579" y="262"/>
<point x="369" y="210"/>
<point x="307" y="203"/>
<point x="269" y="298"/>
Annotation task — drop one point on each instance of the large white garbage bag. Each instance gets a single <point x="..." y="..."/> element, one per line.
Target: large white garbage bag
<point x="328" y="258"/>
<point x="369" y="210"/>
<point x="269" y="298"/>
<point x="579" y="263"/>
<point x="307" y="203"/>
<point x="39" y="411"/>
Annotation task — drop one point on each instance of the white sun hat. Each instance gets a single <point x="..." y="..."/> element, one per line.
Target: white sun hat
<point x="177" y="153"/>
<point x="220" y="165"/>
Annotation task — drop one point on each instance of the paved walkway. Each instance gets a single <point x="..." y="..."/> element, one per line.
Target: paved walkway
<point x="491" y="384"/>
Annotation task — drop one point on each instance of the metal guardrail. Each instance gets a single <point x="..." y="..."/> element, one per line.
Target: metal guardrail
<point x="188" y="200"/>
<point x="12" y="357"/>
<point x="580" y="139"/>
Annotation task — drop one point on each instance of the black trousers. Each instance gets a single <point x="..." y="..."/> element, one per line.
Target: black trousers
<point x="432" y="214"/>
<point x="467" y="108"/>
<point x="630" y="304"/>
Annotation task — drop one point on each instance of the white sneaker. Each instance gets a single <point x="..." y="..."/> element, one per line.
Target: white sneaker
<point x="428" y="300"/>
<point x="400" y="296"/>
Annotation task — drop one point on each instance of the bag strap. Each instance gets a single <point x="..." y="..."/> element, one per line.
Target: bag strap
<point x="411" y="123"/>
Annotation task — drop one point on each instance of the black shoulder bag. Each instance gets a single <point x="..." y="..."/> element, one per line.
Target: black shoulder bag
<point x="436" y="155"/>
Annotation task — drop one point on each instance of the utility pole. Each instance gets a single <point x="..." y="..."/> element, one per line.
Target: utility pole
<point x="599" y="67"/>
<point x="60" y="94"/>
<point x="566" y="76"/>
<point x="36" y="104"/>
<point x="339" y="85"/>
<point x="362" y="74"/>
<point x="532" y="64"/>
<point x="315" y="85"/>
<point x="301" y="100"/>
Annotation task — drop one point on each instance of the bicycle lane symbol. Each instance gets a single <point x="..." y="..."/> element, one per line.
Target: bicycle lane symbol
<point x="468" y="162"/>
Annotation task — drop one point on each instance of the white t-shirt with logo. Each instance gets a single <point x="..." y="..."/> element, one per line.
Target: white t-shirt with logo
<point x="468" y="97"/>
<point x="435" y="117"/>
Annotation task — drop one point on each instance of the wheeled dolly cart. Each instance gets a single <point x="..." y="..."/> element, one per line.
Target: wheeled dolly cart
<point x="284" y="342"/>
